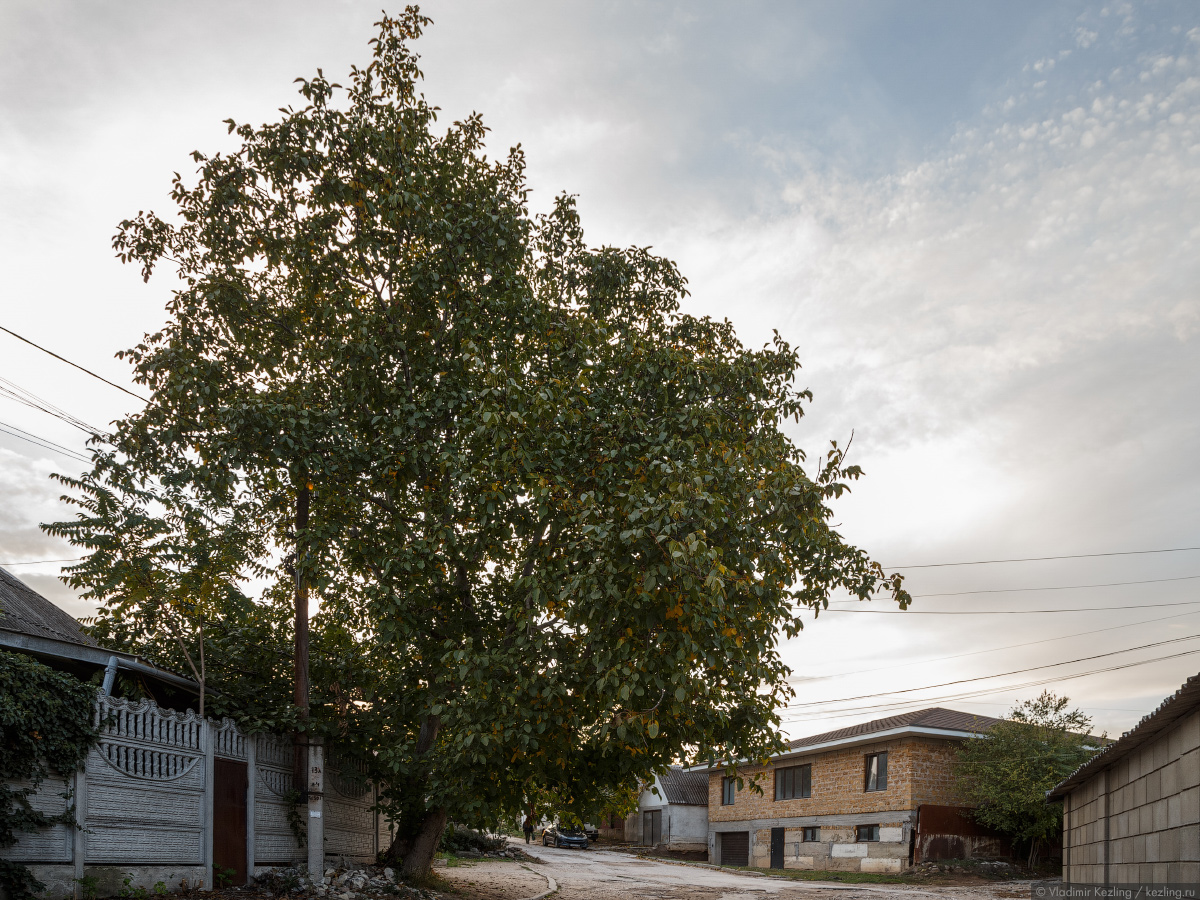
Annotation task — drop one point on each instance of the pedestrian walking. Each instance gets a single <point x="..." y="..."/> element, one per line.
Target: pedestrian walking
<point x="527" y="827"/>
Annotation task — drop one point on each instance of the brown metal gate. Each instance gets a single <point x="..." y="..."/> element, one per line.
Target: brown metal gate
<point x="229" y="822"/>
<point x="735" y="848"/>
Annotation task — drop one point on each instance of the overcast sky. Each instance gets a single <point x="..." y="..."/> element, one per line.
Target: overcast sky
<point x="978" y="222"/>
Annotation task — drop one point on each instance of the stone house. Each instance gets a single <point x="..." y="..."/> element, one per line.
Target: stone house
<point x="848" y="799"/>
<point x="672" y="812"/>
<point x="1131" y="813"/>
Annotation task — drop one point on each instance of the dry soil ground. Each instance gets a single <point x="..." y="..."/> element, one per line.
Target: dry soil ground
<point x="602" y="875"/>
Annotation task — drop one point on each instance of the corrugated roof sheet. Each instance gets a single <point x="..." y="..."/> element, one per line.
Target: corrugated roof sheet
<point x="685" y="788"/>
<point x="1170" y="711"/>
<point x="934" y="717"/>
<point x="25" y="611"/>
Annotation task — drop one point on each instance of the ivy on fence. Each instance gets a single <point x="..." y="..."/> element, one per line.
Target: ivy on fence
<point x="45" y="726"/>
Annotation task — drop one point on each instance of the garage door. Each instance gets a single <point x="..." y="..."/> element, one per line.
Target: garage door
<point x="735" y="848"/>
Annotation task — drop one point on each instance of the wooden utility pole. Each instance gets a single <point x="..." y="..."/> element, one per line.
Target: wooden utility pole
<point x="300" y="660"/>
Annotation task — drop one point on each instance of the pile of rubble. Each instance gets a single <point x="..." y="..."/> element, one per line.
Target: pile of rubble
<point x="366" y="883"/>
<point x="986" y="868"/>
<point x="506" y="853"/>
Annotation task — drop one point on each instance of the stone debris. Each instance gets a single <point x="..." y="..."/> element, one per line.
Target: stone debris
<point x="365" y="883"/>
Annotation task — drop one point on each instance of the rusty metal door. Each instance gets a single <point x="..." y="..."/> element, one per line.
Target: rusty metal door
<point x="229" y="822"/>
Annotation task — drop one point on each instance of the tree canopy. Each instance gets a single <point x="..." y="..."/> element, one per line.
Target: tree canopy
<point x="1006" y="774"/>
<point x="553" y="522"/>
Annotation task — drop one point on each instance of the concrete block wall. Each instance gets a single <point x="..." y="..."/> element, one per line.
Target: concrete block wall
<point x="837" y="850"/>
<point x="1139" y="821"/>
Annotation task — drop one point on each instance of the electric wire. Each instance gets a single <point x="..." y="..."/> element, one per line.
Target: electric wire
<point x="981" y="692"/>
<point x="76" y="365"/>
<point x="45" y="443"/>
<point x="15" y="392"/>
<point x="35" y="562"/>
<point x="1000" y="612"/>
<point x="1065" y="662"/>
<point x="936" y="659"/>
<point x="988" y="562"/>
<point x="1060" y="587"/>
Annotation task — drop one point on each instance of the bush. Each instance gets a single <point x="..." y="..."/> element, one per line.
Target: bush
<point x="45" y="726"/>
<point x="457" y="839"/>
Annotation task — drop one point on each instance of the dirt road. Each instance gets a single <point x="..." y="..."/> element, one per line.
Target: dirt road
<point x="606" y="875"/>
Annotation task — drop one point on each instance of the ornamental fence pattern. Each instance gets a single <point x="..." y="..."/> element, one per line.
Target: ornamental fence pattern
<point x="144" y="803"/>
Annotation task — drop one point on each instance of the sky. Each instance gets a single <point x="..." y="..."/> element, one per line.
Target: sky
<point x="978" y="223"/>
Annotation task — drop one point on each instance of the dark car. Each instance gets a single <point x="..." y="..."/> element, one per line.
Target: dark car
<point x="556" y="836"/>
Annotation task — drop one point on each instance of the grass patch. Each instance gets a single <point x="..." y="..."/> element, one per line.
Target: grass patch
<point x="843" y="877"/>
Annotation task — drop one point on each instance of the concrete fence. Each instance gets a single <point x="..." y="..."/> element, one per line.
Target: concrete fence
<point x="170" y="797"/>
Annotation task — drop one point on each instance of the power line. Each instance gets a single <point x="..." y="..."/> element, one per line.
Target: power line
<point x="988" y="562"/>
<point x="76" y="365"/>
<point x="34" y="562"/>
<point x="875" y="707"/>
<point x="21" y="434"/>
<point x="14" y="391"/>
<point x="1061" y="587"/>
<point x="1001" y="612"/>
<point x="921" y="662"/>
<point x="1066" y="662"/>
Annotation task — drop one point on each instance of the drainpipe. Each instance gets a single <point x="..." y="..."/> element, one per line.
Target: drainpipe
<point x="110" y="675"/>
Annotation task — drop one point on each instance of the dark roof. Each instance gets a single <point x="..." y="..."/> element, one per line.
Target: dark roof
<point x="685" y="788"/>
<point x="934" y="717"/>
<point x="1170" y="711"/>
<point x="25" y="611"/>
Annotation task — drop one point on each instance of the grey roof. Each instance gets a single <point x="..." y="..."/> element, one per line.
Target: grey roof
<point x="25" y="611"/>
<point x="685" y="788"/>
<point x="934" y="717"/>
<point x="1170" y="711"/>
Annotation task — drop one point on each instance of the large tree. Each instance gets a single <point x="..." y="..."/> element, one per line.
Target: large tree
<point x="557" y="518"/>
<point x="1005" y="775"/>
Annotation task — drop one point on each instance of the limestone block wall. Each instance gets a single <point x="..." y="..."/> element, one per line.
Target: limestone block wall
<point x="837" y="785"/>
<point x="1139" y="820"/>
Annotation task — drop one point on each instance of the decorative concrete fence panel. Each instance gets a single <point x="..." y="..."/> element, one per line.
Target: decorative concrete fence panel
<point x="51" y="845"/>
<point x="276" y="820"/>
<point x="350" y="827"/>
<point x="169" y="797"/>
<point x="147" y="781"/>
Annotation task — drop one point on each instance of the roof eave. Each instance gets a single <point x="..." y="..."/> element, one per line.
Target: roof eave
<point x="874" y="737"/>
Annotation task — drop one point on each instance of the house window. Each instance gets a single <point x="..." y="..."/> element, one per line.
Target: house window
<point x="810" y="834"/>
<point x="866" y="832"/>
<point x="728" y="787"/>
<point x="876" y="774"/>
<point x="793" y="782"/>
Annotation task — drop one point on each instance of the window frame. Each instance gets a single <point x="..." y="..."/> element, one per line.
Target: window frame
<point x="728" y="789"/>
<point x="880" y="772"/>
<point x="810" y="834"/>
<point x="872" y="838"/>
<point x="804" y="792"/>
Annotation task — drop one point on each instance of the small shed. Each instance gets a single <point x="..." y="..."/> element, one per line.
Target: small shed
<point x="672" y="812"/>
<point x="1131" y="814"/>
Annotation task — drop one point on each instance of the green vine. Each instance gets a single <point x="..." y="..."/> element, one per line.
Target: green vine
<point x="45" y="727"/>
<point x="294" y="799"/>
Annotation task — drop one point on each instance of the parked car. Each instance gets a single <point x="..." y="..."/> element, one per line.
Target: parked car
<point x="592" y="832"/>
<point x="556" y="836"/>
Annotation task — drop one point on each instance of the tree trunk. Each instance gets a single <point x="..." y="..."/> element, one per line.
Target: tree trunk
<point x="419" y="858"/>
<point x="300" y="657"/>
